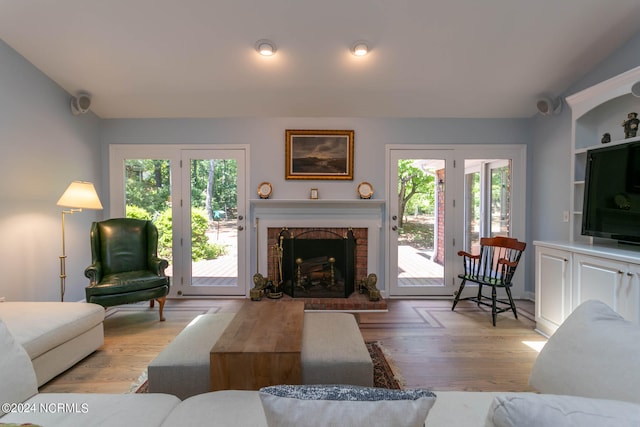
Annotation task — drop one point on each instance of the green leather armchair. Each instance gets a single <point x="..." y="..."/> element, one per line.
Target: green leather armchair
<point x="125" y="267"/>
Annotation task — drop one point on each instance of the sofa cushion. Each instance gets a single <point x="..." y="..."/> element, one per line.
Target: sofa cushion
<point x="547" y="410"/>
<point x="41" y="326"/>
<point x="460" y="408"/>
<point x="17" y="378"/>
<point x="592" y="354"/>
<point x="219" y="409"/>
<point x="299" y="406"/>
<point x="128" y="281"/>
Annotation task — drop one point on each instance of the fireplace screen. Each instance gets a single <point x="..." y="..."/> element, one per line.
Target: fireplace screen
<point x="318" y="264"/>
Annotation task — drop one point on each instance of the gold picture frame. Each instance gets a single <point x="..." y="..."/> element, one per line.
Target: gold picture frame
<point x="319" y="154"/>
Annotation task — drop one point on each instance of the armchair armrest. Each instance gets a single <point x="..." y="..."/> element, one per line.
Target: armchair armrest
<point x="468" y="255"/>
<point x="507" y="262"/>
<point x="94" y="273"/>
<point x="158" y="265"/>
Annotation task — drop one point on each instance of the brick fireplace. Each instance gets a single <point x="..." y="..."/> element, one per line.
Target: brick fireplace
<point x="315" y="247"/>
<point x="314" y="219"/>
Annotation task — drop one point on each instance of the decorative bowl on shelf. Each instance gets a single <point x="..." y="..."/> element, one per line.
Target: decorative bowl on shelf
<point x="365" y="190"/>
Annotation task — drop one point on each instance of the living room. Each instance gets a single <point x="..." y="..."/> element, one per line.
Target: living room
<point x="45" y="147"/>
<point x="80" y="147"/>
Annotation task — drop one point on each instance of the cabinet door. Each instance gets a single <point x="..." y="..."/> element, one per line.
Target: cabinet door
<point x="630" y="294"/>
<point x="600" y="279"/>
<point x="553" y="288"/>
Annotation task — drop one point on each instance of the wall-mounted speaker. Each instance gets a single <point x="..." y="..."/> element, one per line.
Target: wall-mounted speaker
<point x="547" y="106"/>
<point x="635" y="89"/>
<point x="80" y="103"/>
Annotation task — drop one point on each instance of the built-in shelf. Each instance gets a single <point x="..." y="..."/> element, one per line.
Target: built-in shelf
<point x="595" y="111"/>
<point x="618" y="142"/>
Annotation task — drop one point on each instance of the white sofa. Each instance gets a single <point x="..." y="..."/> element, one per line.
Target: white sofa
<point x="587" y="376"/>
<point x="56" y="335"/>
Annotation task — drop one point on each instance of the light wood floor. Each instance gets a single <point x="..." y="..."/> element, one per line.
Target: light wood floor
<point x="430" y="345"/>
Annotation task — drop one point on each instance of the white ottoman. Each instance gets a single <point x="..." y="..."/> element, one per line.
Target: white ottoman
<point x="182" y="368"/>
<point x="333" y="352"/>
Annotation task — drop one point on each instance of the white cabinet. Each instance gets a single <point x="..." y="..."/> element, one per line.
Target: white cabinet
<point x="613" y="282"/>
<point x="569" y="273"/>
<point x="553" y="288"/>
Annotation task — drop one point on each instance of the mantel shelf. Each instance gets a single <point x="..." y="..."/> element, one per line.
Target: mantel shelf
<point x="317" y="203"/>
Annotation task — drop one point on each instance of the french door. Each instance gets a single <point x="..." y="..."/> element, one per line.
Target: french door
<point x="213" y="200"/>
<point x="487" y="200"/>
<point x="196" y="198"/>
<point x="442" y="199"/>
<point x="419" y="222"/>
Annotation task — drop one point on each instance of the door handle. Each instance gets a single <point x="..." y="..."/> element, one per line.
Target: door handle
<point x="240" y="228"/>
<point x="240" y="217"/>
<point x="394" y="228"/>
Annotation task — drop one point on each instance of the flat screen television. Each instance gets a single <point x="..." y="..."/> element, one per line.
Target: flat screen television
<point x="612" y="193"/>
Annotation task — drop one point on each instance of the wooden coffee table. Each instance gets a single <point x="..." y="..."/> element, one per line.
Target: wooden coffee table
<point x="260" y="347"/>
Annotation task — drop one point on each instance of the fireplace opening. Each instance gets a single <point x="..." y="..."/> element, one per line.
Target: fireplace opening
<point x="318" y="263"/>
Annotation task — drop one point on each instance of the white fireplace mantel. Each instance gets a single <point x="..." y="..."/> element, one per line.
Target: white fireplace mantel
<point x="354" y="213"/>
<point x="316" y="203"/>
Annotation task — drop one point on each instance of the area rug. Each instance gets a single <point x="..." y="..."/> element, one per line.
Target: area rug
<point x="383" y="371"/>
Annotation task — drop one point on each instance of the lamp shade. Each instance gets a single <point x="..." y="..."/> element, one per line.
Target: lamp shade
<point x="81" y="195"/>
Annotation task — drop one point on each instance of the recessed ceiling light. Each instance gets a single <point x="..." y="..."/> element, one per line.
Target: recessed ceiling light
<point x="359" y="48"/>
<point x="265" y="47"/>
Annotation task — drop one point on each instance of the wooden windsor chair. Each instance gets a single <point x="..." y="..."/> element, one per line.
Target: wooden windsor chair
<point x="495" y="267"/>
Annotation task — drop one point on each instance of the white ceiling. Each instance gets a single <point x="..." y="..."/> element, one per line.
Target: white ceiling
<point x="429" y="58"/>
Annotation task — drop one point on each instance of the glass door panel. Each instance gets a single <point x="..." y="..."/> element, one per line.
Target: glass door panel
<point x="214" y="254"/>
<point x="500" y="198"/>
<point x="418" y="222"/>
<point x="148" y="196"/>
<point x="472" y="211"/>
<point x="487" y="200"/>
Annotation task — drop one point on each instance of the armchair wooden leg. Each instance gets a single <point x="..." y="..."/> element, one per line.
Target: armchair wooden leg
<point x="513" y="305"/>
<point x="161" y="302"/>
<point x="152" y="303"/>
<point x="457" y="298"/>
<point x="494" y="312"/>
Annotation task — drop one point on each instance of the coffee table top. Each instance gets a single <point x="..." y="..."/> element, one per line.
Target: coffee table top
<point x="264" y="327"/>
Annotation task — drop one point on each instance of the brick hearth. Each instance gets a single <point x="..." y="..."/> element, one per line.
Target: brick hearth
<point x="356" y="302"/>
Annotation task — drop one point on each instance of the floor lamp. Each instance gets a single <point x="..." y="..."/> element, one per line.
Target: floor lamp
<point x="79" y="195"/>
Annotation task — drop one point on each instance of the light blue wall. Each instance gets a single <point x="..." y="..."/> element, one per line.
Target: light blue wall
<point x="266" y="139"/>
<point x="43" y="147"/>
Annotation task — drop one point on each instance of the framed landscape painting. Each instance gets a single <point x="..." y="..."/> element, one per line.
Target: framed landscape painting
<point x="319" y="154"/>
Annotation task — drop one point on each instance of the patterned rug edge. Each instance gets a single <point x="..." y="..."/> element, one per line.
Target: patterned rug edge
<point x="385" y="372"/>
